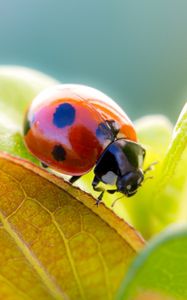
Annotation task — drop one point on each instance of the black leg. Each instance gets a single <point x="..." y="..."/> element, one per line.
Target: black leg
<point x="74" y="179"/>
<point x="99" y="199"/>
<point x="95" y="182"/>
<point x="44" y="165"/>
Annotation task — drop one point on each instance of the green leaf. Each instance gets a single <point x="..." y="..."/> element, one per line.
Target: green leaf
<point x="154" y="131"/>
<point x="168" y="193"/>
<point x="176" y="148"/>
<point x="160" y="270"/>
<point x="18" y="86"/>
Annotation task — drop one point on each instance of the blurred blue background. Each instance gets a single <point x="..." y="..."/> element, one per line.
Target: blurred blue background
<point x="135" y="51"/>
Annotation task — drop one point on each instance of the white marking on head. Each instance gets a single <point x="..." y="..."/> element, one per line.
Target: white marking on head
<point x="110" y="178"/>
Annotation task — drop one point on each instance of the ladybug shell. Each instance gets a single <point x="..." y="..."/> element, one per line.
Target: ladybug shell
<point x="65" y="127"/>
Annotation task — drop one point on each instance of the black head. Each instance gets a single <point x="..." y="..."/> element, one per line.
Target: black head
<point x="129" y="183"/>
<point x="121" y="165"/>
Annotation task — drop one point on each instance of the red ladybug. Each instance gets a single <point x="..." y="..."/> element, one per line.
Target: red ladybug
<point x="72" y="128"/>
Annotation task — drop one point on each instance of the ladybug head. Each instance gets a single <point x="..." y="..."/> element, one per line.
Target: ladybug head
<point x="129" y="183"/>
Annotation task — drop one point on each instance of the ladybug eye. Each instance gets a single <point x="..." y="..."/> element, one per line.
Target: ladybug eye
<point x="128" y="187"/>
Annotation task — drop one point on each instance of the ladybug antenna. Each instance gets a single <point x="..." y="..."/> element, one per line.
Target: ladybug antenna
<point x="150" y="167"/>
<point x="150" y="177"/>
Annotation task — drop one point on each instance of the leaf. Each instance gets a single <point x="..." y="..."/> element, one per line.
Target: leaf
<point x="160" y="271"/>
<point x="18" y="86"/>
<point x="175" y="151"/>
<point x="154" y="131"/>
<point x="170" y="186"/>
<point x="55" y="242"/>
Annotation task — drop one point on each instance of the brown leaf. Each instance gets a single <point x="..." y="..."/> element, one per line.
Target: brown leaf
<point x="55" y="242"/>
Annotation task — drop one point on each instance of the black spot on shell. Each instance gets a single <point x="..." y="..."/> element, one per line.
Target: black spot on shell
<point x="64" y="115"/>
<point x="59" y="153"/>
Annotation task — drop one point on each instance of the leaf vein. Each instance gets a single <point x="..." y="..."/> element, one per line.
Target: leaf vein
<point x="54" y="290"/>
<point x="66" y="247"/>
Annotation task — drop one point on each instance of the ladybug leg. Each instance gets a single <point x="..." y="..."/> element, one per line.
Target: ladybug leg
<point x="74" y="179"/>
<point x="44" y="165"/>
<point x="99" y="199"/>
<point x="95" y="182"/>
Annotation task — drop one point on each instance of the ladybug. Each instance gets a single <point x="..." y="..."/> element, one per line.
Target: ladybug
<point x="72" y="128"/>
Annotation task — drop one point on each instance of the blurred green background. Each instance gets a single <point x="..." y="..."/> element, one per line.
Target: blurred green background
<point x="135" y="51"/>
